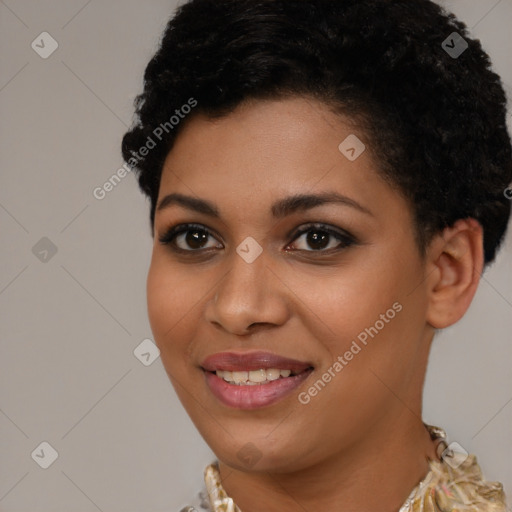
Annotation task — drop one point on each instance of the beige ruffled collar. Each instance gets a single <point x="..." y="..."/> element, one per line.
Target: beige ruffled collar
<point x="451" y="485"/>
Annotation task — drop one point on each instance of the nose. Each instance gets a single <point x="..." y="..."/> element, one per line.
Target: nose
<point x="248" y="295"/>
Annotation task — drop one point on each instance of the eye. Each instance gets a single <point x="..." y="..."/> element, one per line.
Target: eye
<point x="191" y="235"/>
<point x="193" y="238"/>
<point x="321" y="238"/>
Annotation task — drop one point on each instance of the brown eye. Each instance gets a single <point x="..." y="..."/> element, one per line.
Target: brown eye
<point x="321" y="238"/>
<point x="195" y="239"/>
<point x="187" y="237"/>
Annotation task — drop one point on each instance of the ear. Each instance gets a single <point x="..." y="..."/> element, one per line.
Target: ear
<point x="454" y="265"/>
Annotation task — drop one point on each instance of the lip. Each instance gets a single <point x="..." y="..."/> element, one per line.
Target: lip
<point x="260" y="395"/>
<point x="240" y="361"/>
<point x="253" y="397"/>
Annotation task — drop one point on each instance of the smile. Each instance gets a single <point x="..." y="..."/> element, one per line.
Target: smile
<point x="246" y="394"/>
<point x="254" y="377"/>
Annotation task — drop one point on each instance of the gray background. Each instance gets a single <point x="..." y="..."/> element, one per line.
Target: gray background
<point x="70" y="324"/>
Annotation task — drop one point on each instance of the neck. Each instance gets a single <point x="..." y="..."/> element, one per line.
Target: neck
<point x="376" y="475"/>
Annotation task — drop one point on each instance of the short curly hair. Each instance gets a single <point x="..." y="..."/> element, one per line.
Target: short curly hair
<point x="436" y="119"/>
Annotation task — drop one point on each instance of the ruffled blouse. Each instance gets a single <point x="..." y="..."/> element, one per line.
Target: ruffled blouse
<point x="453" y="484"/>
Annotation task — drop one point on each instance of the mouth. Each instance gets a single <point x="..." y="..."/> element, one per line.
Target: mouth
<point x="259" y="377"/>
<point x="252" y="380"/>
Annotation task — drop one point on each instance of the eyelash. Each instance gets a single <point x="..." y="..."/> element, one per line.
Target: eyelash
<point x="346" y="239"/>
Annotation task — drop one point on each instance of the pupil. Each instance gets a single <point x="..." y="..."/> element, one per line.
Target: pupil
<point x="316" y="241"/>
<point x="195" y="238"/>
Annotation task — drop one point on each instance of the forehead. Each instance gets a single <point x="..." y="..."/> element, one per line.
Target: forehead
<point x="266" y="150"/>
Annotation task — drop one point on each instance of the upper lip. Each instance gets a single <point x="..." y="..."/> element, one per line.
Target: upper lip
<point x="240" y="361"/>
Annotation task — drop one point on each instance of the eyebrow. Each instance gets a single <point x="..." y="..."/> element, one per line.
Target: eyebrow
<point x="280" y="209"/>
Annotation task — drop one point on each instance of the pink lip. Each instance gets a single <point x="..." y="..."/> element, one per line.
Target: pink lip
<point x="253" y="397"/>
<point x="260" y="395"/>
<point x="233" y="361"/>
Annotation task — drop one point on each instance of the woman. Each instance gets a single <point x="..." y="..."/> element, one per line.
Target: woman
<point x="328" y="180"/>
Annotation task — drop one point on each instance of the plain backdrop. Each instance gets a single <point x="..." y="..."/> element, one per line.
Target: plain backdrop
<point x="73" y="270"/>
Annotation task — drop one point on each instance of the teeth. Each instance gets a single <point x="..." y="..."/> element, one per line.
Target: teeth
<point x="240" y="377"/>
<point x="253" y="377"/>
<point x="258" y="375"/>
<point x="273" y="373"/>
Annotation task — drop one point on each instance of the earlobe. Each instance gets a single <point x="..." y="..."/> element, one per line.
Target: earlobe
<point x="454" y="266"/>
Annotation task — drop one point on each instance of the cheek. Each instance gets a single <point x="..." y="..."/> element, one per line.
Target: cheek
<point x="171" y="299"/>
<point x="350" y="300"/>
<point x="365" y="313"/>
<point x="377" y="325"/>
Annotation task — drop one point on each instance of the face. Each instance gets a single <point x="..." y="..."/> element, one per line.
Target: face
<point x="332" y="282"/>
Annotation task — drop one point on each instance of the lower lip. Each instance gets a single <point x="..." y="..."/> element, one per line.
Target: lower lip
<point x="253" y="397"/>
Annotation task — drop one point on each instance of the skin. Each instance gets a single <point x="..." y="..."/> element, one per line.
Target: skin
<point x="363" y="430"/>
